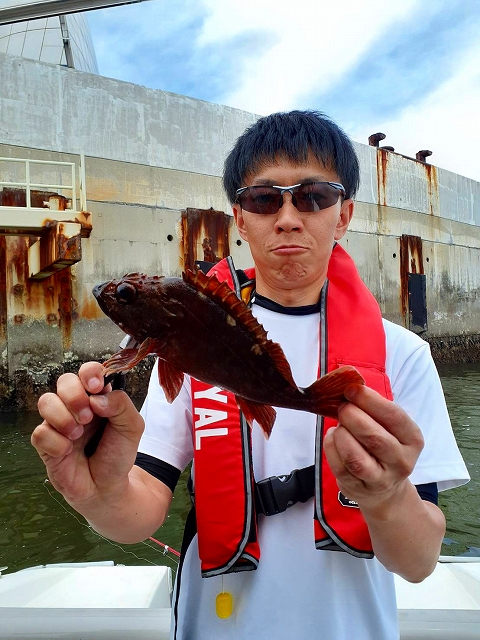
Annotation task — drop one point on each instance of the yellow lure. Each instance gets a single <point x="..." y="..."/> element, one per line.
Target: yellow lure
<point x="224" y="605"/>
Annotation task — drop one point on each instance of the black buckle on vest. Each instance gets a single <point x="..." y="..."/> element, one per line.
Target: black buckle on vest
<point x="277" y="493"/>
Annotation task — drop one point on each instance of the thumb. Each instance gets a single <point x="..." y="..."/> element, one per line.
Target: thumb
<point x="112" y="447"/>
<point x="121" y="413"/>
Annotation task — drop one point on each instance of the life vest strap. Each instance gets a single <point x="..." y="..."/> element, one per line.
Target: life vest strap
<point x="277" y="493"/>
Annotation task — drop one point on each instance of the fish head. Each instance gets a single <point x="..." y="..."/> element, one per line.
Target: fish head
<point x="139" y="304"/>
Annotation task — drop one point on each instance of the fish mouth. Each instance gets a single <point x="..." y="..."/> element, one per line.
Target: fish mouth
<point x="97" y="290"/>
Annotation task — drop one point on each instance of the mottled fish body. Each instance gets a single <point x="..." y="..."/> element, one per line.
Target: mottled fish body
<point x="198" y="326"/>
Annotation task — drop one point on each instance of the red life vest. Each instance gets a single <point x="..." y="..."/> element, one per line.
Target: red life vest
<point x="351" y="332"/>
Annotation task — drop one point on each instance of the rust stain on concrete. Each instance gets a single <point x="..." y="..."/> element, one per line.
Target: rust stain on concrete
<point x="3" y="289"/>
<point x="431" y="174"/>
<point x="382" y="168"/>
<point x="89" y="308"/>
<point x="63" y="280"/>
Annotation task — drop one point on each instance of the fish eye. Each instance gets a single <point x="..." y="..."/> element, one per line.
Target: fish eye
<point x="126" y="293"/>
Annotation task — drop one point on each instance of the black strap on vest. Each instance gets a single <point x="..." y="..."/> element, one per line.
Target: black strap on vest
<point x="277" y="493"/>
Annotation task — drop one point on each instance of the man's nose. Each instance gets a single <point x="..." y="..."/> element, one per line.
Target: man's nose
<point x="288" y="216"/>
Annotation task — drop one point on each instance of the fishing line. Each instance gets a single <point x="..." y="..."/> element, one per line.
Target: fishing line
<point x="167" y="549"/>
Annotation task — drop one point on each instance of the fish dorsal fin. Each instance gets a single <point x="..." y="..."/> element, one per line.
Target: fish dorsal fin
<point x="222" y="295"/>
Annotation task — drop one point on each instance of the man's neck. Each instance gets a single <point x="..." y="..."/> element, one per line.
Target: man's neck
<point x="291" y="297"/>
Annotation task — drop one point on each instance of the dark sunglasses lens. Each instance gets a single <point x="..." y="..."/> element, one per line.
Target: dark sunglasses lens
<point x="260" y="200"/>
<point x="315" y="197"/>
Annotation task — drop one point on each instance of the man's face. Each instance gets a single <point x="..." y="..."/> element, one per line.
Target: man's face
<point x="291" y="249"/>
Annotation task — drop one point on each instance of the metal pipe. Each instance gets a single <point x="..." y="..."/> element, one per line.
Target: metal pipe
<point x="22" y="10"/>
<point x="375" y="138"/>
<point x="423" y="155"/>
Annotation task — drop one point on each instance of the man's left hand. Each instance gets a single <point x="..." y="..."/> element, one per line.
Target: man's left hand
<point x="373" y="450"/>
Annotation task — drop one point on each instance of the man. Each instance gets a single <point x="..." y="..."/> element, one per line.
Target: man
<point x="291" y="179"/>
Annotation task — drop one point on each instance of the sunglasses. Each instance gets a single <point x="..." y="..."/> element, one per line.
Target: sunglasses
<point x="306" y="198"/>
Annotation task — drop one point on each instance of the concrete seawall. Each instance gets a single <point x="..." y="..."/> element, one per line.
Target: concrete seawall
<point x="148" y="197"/>
<point x="23" y="390"/>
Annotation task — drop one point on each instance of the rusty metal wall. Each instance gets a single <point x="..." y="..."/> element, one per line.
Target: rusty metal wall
<point x="411" y="262"/>
<point x="205" y="236"/>
<point x="39" y="315"/>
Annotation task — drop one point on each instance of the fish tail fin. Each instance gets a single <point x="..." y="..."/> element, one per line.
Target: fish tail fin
<point x="327" y="393"/>
<point x="264" y="414"/>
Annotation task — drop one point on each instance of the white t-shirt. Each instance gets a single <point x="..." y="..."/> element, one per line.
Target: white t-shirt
<point x="298" y="592"/>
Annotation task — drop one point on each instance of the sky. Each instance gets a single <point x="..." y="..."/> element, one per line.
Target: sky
<point x="409" y="69"/>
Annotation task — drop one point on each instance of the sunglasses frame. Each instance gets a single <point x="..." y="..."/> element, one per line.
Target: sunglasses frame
<point x="291" y="190"/>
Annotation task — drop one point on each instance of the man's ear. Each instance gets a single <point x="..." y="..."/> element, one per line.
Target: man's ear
<point x="240" y="221"/>
<point x="346" y="213"/>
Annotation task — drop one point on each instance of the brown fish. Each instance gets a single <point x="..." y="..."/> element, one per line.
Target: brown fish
<point x="197" y="325"/>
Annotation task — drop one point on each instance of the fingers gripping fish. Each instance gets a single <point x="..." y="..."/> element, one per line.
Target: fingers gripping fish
<point x="198" y="326"/>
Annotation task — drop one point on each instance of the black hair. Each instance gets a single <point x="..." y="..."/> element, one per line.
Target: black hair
<point x="294" y="135"/>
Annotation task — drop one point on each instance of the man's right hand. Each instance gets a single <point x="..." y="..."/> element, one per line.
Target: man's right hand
<point x="71" y="417"/>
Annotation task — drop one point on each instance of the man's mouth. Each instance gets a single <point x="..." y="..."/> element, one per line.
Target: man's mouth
<point x="288" y="249"/>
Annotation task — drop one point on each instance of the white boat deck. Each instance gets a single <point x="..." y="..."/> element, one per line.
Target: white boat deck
<point x="103" y="601"/>
<point x="91" y="601"/>
<point x="445" y="606"/>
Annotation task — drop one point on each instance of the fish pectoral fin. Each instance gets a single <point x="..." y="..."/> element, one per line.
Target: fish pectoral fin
<point x="126" y="359"/>
<point x="170" y="379"/>
<point x="264" y="414"/>
<point x="120" y="361"/>
<point x="327" y="393"/>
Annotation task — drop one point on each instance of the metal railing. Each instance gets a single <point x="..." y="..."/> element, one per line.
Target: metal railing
<point x="60" y="187"/>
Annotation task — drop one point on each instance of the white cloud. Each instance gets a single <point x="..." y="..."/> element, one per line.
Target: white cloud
<point x="271" y="55"/>
<point x="316" y="42"/>
<point x="445" y="122"/>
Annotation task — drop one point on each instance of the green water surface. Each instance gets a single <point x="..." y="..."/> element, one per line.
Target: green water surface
<point x="38" y="527"/>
